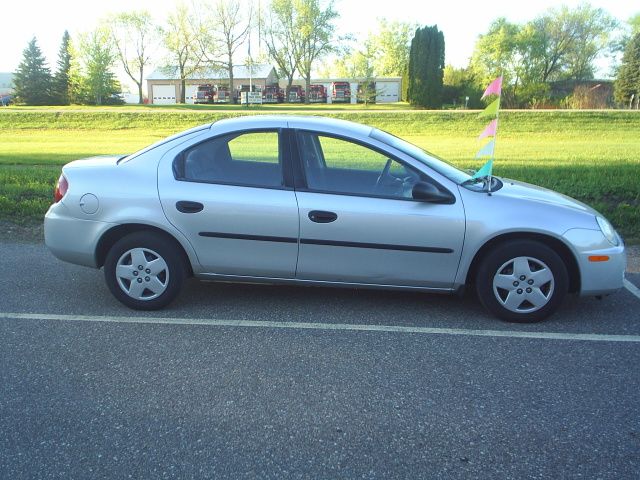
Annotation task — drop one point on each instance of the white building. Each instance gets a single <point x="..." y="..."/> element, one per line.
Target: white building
<point x="163" y="86"/>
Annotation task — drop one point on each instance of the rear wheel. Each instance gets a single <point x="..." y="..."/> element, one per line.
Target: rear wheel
<point x="144" y="271"/>
<point x="522" y="281"/>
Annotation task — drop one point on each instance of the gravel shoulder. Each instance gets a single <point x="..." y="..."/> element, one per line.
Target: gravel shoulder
<point x="34" y="233"/>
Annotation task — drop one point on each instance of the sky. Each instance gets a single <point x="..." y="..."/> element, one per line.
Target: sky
<point x="460" y="21"/>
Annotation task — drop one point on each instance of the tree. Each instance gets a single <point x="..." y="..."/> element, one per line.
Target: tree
<point x="627" y="83"/>
<point x="391" y="46"/>
<point x="98" y="58"/>
<point x="317" y="34"/>
<point x="572" y="39"/>
<point x="228" y="29"/>
<point x="182" y="39"/>
<point x="60" y="83"/>
<point x="133" y="35"/>
<point x="384" y="54"/>
<point x="32" y="80"/>
<point x="78" y="89"/>
<point x="498" y="53"/>
<point x="561" y="44"/>
<point x="282" y="38"/>
<point x="426" y="68"/>
<point x="358" y="63"/>
<point x="458" y="85"/>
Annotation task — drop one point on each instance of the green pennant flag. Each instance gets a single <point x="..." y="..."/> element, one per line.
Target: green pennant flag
<point x="485" y="170"/>
<point x="491" y="110"/>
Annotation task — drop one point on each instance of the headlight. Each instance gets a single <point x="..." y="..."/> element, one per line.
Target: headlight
<point x="608" y="231"/>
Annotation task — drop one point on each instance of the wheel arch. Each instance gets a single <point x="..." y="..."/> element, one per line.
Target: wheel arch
<point x="111" y="236"/>
<point x="555" y="244"/>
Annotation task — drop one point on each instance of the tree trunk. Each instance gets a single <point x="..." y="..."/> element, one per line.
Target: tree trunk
<point x="140" y="98"/>
<point x="183" y="88"/>
<point x="288" y="90"/>
<point x="231" y="89"/>
<point x="307" y="87"/>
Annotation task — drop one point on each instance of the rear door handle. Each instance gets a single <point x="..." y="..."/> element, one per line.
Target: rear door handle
<point x="320" y="216"/>
<point x="189" y="207"/>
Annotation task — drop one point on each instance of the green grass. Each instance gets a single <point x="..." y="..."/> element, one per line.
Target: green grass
<point x="265" y="108"/>
<point x="593" y="156"/>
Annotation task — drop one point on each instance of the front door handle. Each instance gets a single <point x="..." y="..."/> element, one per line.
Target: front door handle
<point x="320" y="216"/>
<point x="189" y="207"/>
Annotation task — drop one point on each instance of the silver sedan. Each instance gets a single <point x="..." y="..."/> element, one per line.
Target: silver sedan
<point x="318" y="201"/>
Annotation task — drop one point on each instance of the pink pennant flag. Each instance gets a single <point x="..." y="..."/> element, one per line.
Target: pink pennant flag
<point x="494" y="88"/>
<point x="490" y="131"/>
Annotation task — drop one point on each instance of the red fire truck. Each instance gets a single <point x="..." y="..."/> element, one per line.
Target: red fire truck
<point x="317" y="94"/>
<point x="205" y="94"/>
<point x="296" y="94"/>
<point x="272" y="94"/>
<point x="341" y="92"/>
<point x="223" y="95"/>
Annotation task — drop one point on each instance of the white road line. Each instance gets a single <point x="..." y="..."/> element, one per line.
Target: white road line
<point x="632" y="288"/>
<point x="592" y="337"/>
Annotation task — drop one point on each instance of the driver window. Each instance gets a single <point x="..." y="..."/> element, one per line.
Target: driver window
<point x="338" y="166"/>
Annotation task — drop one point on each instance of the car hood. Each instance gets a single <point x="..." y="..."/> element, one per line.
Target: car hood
<point x="533" y="193"/>
<point x="97" y="161"/>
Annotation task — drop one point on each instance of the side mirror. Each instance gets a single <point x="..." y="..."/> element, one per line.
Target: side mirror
<point x="428" y="192"/>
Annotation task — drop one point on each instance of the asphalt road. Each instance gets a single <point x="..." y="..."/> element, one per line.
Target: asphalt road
<point x="247" y="381"/>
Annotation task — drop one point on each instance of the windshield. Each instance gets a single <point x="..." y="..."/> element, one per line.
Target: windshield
<point x="441" y="166"/>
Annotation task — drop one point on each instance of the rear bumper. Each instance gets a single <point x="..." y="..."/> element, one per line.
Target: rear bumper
<point x="72" y="239"/>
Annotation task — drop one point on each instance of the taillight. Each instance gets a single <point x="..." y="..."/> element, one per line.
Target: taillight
<point x="61" y="189"/>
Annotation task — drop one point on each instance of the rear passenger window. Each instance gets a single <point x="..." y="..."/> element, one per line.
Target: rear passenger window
<point x="251" y="159"/>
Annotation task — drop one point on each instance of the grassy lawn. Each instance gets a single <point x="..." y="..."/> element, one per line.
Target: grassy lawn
<point x="593" y="156"/>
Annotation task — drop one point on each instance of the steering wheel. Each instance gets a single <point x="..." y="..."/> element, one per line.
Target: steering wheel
<point x="385" y="172"/>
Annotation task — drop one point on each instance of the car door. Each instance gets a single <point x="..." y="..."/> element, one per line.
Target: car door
<point x="227" y="195"/>
<point x="360" y="224"/>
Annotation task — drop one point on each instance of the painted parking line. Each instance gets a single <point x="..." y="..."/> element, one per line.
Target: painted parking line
<point x="632" y="288"/>
<point x="592" y="337"/>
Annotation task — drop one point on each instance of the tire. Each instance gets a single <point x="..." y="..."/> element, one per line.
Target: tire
<point x="522" y="281"/>
<point x="144" y="270"/>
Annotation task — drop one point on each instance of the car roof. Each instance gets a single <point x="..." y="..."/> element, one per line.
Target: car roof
<point x="302" y="122"/>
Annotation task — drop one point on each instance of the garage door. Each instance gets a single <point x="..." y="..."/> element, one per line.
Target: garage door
<point x="163" y="94"/>
<point x="190" y="93"/>
<point x="387" y="92"/>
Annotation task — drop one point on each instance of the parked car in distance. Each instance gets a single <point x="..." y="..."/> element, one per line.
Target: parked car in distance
<point x="319" y="201"/>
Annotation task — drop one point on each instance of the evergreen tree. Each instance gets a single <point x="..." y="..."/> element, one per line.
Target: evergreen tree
<point x="426" y="68"/>
<point x="627" y="83"/>
<point x="61" y="86"/>
<point x="32" y="80"/>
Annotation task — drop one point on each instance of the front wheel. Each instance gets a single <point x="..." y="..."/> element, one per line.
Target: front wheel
<point x="144" y="271"/>
<point x="522" y="281"/>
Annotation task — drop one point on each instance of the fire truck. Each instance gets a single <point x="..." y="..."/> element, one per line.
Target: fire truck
<point x="317" y="94"/>
<point x="296" y="94"/>
<point x="205" y="94"/>
<point x="272" y="94"/>
<point x="341" y="92"/>
<point x="223" y="95"/>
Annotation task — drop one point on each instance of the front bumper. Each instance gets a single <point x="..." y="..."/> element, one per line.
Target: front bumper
<point x="597" y="277"/>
